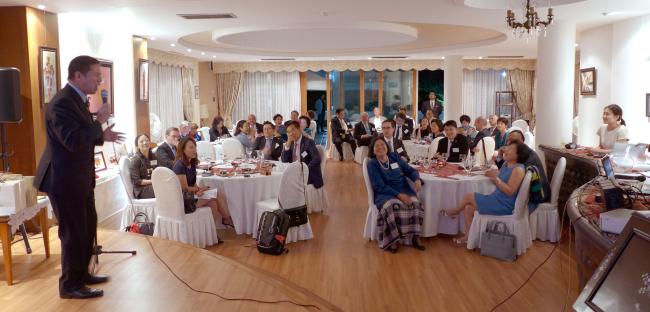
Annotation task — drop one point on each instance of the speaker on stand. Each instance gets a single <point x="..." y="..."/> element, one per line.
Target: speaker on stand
<point x="10" y="106"/>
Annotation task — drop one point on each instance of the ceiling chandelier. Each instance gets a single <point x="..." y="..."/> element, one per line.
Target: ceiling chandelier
<point x="532" y="26"/>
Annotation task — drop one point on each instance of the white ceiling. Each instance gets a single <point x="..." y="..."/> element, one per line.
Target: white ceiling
<point x="157" y="18"/>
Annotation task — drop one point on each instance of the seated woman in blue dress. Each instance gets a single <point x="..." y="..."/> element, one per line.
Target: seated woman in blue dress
<point x="400" y="212"/>
<point x="502" y="201"/>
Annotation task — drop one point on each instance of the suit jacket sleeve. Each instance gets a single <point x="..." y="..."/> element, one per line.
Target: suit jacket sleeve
<point x="315" y="156"/>
<point x="134" y="171"/>
<point x="277" y="152"/>
<point x="403" y="153"/>
<point x="437" y="110"/>
<point x="71" y="134"/>
<point x="359" y="131"/>
<point x="163" y="156"/>
<point x="336" y="127"/>
<point x="286" y="155"/>
<point x="463" y="144"/>
<point x="442" y="146"/>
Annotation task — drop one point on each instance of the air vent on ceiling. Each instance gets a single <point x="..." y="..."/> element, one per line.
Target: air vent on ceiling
<point x="280" y="59"/>
<point x="207" y="16"/>
<point x="506" y="56"/>
<point x="390" y="57"/>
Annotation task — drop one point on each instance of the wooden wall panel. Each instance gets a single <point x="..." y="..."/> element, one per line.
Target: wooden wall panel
<point x="207" y="91"/>
<point x="141" y="108"/>
<point x="303" y="93"/>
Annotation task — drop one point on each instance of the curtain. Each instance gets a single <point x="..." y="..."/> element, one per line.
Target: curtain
<point x="165" y="96"/>
<point x="229" y="86"/>
<point x="523" y="82"/>
<point x="479" y="91"/>
<point x="267" y="94"/>
<point x="188" y="90"/>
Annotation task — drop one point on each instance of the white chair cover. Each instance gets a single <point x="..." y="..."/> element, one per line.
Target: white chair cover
<point x="196" y="229"/>
<point x="355" y="117"/>
<point x="290" y="195"/>
<point x="232" y="148"/>
<point x="515" y="128"/>
<point x="334" y="153"/>
<point x="545" y="221"/>
<point x="521" y="124"/>
<point x="433" y="148"/>
<point x="234" y="125"/>
<point x="317" y="199"/>
<point x="133" y="205"/>
<point x="489" y="151"/>
<point x="517" y="223"/>
<point x="370" y="231"/>
<point x="312" y="127"/>
<point x="360" y="154"/>
<point x="529" y="139"/>
<point x="205" y="149"/>
<point x="205" y="134"/>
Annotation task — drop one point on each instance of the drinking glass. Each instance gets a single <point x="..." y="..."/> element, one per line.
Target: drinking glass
<point x="426" y="164"/>
<point x="462" y="159"/>
<point x="445" y="156"/>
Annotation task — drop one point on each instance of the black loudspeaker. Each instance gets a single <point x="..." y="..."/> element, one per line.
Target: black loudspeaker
<point x="10" y="103"/>
<point x="211" y="66"/>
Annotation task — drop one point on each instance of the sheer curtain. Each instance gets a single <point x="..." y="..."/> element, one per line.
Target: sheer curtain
<point x="523" y="82"/>
<point x="267" y="94"/>
<point x="166" y="96"/>
<point x="479" y="87"/>
<point x="188" y="91"/>
<point x="229" y="87"/>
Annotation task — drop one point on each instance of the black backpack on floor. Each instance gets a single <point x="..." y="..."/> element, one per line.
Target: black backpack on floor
<point x="272" y="232"/>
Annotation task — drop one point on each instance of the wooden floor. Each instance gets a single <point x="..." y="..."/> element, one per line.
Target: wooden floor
<point x="338" y="265"/>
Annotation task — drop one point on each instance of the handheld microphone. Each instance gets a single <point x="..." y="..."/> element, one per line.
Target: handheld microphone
<point x="104" y="96"/>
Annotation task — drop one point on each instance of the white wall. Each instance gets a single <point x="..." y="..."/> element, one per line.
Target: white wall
<point x="115" y="45"/>
<point x="595" y="51"/>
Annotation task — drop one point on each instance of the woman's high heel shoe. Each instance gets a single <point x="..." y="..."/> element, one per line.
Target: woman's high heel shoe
<point x="229" y="224"/>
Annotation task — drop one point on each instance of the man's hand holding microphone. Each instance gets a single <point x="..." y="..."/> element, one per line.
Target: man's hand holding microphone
<point x="102" y="116"/>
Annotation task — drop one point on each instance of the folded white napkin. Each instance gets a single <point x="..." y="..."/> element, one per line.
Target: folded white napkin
<point x="212" y="193"/>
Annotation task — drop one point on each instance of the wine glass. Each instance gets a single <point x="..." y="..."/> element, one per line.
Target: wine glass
<point x="462" y="159"/>
<point x="426" y="164"/>
<point x="445" y="156"/>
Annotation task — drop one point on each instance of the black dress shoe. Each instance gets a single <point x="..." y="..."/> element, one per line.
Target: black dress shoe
<point x="95" y="279"/>
<point x="418" y="246"/>
<point x="83" y="293"/>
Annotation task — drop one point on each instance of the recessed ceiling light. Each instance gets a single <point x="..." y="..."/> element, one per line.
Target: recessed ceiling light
<point x="443" y="57"/>
<point x="214" y="56"/>
<point x="407" y="58"/>
<point x="576" y="44"/>
<point x="153" y="38"/>
<point x="202" y="53"/>
<point x="173" y="45"/>
<point x="608" y="13"/>
<point x="332" y="59"/>
<point x="370" y="58"/>
<point x="189" y="50"/>
<point x="325" y="13"/>
<point x="480" y="57"/>
<point x="41" y="7"/>
<point x="260" y="60"/>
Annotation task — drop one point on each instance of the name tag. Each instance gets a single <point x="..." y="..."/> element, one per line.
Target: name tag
<point x="406" y="131"/>
<point x="455" y="150"/>
<point x="154" y="162"/>
<point x="399" y="150"/>
<point x="394" y="166"/>
<point x="304" y="154"/>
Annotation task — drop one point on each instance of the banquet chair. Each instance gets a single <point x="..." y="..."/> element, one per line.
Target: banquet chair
<point x="544" y="221"/>
<point x="232" y="148"/>
<point x="370" y="231"/>
<point x="312" y="127"/>
<point x="346" y="147"/>
<point x="516" y="223"/>
<point x="134" y="205"/>
<point x="205" y="134"/>
<point x="205" y="149"/>
<point x="317" y="199"/>
<point x="196" y="229"/>
<point x="355" y="117"/>
<point x="433" y="148"/>
<point x="489" y="151"/>
<point x="515" y="128"/>
<point x="360" y="154"/>
<point x="522" y="124"/>
<point x="529" y="140"/>
<point x="291" y="196"/>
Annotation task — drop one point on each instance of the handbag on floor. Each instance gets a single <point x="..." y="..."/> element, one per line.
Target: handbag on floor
<point x="188" y="202"/>
<point x="272" y="232"/>
<point x="499" y="245"/>
<point x="145" y="227"/>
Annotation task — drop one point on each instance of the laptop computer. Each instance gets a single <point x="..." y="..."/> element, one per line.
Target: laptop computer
<point x="636" y="151"/>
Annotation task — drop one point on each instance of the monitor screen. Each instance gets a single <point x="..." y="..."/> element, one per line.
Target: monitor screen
<point x="607" y="165"/>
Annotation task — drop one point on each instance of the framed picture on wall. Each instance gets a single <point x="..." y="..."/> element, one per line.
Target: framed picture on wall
<point x="48" y="74"/>
<point x="96" y="102"/>
<point x="196" y="92"/>
<point x="588" y="81"/>
<point x="647" y="106"/>
<point x="143" y="80"/>
<point x="100" y="162"/>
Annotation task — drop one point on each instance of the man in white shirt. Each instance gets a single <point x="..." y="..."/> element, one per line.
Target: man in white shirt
<point x="378" y="119"/>
<point x="364" y="131"/>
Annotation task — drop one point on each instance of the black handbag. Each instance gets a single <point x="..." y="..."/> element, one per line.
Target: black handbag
<point x="188" y="202"/>
<point x="145" y="227"/>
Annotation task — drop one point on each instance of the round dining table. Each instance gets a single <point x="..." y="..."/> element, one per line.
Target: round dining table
<point x="413" y="148"/>
<point x="241" y="193"/>
<point x="444" y="189"/>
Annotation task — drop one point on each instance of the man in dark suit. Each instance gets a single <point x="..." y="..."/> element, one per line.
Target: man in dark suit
<point x="307" y="153"/>
<point x="431" y="104"/>
<point x="342" y="132"/>
<point x="252" y="121"/>
<point x="166" y="152"/>
<point x="480" y="123"/>
<point x="454" y="144"/>
<point x="364" y="131"/>
<point x="404" y="127"/>
<point x="394" y="145"/>
<point x="294" y="117"/>
<point x="492" y="130"/>
<point x="66" y="173"/>
<point x="269" y="145"/>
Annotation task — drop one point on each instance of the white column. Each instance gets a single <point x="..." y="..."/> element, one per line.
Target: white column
<point x="453" y="87"/>
<point x="555" y="70"/>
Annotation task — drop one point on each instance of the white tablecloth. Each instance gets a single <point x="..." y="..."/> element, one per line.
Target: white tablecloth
<point x="217" y="149"/>
<point x="442" y="194"/>
<point x="413" y="149"/>
<point x="15" y="220"/>
<point x="241" y="194"/>
<point x="110" y="195"/>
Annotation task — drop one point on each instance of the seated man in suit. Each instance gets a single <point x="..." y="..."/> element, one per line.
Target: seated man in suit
<point x="364" y="131"/>
<point x="408" y="120"/>
<point x="166" y="152"/>
<point x="294" y="117"/>
<point x="492" y="129"/>
<point x="533" y="160"/>
<point x="269" y="145"/>
<point x="378" y="119"/>
<point x="252" y="121"/>
<point x="342" y="132"/>
<point x="454" y="144"/>
<point x="480" y="123"/>
<point x="404" y="128"/>
<point x="300" y="148"/>
<point x="394" y="145"/>
<point x="184" y="129"/>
